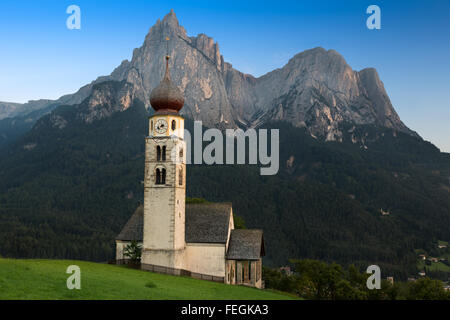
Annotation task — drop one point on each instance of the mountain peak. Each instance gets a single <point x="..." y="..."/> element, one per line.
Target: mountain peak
<point x="171" y="19"/>
<point x="316" y="89"/>
<point x="167" y="27"/>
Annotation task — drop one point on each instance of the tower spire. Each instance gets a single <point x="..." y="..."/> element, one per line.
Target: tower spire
<point x="167" y="74"/>
<point x="166" y="97"/>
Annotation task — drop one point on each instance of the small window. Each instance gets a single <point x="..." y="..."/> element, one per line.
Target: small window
<point x="151" y="126"/>
<point x="181" y="154"/>
<point x="174" y="124"/>
<point x="164" y="153"/>
<point x="158" y="153"/>
<point x="158" y="176"/>
<point x="180" y="176"/>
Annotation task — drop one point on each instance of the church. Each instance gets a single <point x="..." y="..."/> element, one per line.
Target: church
<point x="197" y="240"/>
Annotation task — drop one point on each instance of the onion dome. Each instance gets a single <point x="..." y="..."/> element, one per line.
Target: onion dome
<point x="166" y="97"/>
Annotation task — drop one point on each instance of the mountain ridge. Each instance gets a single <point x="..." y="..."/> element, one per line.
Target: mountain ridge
<point x="315" y="89"/>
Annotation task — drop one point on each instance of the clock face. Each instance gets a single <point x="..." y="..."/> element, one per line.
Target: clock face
<point x="161" y="126"/>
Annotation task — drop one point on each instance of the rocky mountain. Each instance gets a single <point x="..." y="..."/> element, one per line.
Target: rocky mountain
<point x="316" y="89"/>
<point x="8" y="109"/>
<point x="20" y="118"/>
<point x="11" y="110"/>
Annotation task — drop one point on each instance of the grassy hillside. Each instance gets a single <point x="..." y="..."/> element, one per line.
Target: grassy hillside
<point x="46" y="279"/>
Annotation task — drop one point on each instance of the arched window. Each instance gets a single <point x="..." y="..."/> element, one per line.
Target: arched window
<point x="163" y="176"/>
<point x="181" y="154"/>
<point x="158" y="153"/>
<point x="151" y="126"/>
<point x="180" y="176"/>
<point x="174" y="124"/>
<point x="164" y="153"/>
<point x="158" y="176"/>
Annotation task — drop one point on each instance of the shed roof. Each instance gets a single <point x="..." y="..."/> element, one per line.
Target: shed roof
<point x="246" y="244"/>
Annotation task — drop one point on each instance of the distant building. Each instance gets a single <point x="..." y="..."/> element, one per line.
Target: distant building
<point x="422" y="256"/>
<point x="390" y="279"/>
<point x="384" y="213"/>
<point x="286" y="270"/>
<point x="422" y="273"/>
<point x="442" y="246"/>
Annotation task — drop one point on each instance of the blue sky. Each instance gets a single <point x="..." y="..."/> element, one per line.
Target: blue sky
<point x="41" y="58"/>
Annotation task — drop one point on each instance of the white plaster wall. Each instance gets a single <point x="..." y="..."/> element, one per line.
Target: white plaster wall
<point x="164" y="258"/>
<point x="230" y="227"/>
<point x="120" y="246"/>
<point x="205" y="258"/>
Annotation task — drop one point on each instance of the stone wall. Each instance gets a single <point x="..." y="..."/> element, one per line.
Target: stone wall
<point x="164" y="206"/>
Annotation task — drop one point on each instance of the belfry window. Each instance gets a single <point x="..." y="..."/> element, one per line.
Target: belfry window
<point x="160" y="176"/>
<point x="164" y="153"/>
<point x="174" y="124"/>
<point x="158" y="153"/>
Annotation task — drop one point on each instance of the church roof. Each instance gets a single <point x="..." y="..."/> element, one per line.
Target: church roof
<point x="246" y="244"/>
<point x="207" y="222"/>
<point x="134" y="228"/>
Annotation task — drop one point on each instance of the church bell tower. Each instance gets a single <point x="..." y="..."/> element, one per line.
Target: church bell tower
<point x="165" y="181"/>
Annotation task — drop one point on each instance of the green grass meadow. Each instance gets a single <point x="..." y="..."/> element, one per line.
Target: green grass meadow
<point x="30" y="279"/>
